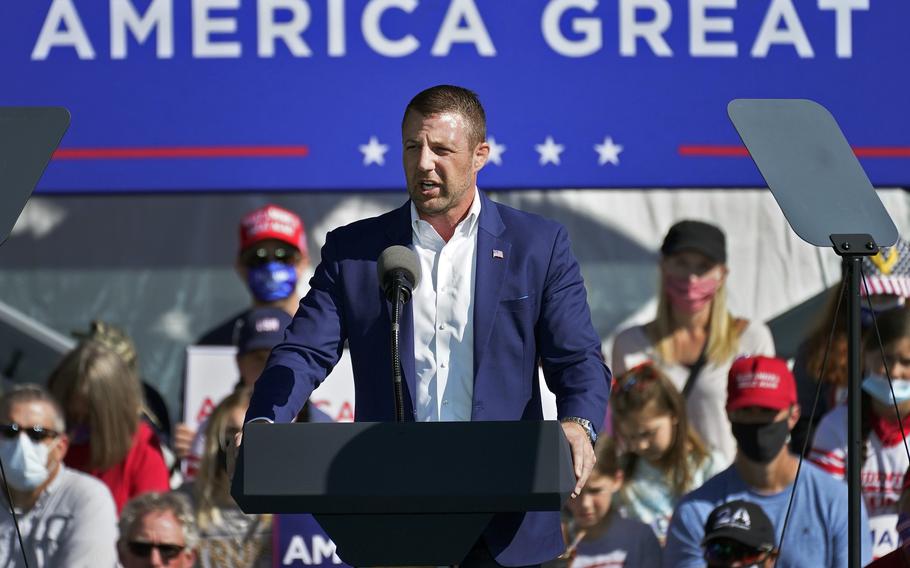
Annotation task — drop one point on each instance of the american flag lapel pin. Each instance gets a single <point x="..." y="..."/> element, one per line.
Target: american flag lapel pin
<point x="497" y="253"/>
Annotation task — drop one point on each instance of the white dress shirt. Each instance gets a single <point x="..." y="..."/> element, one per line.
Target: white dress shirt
<point x="444" y="318"/>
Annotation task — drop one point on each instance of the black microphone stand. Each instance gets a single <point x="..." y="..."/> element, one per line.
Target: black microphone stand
<point x="400" y="296"/>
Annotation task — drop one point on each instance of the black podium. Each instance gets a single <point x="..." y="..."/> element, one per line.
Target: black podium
<point x="403" y="493"/>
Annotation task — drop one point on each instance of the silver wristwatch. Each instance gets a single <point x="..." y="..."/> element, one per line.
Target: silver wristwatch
<point x="584" y="423"/>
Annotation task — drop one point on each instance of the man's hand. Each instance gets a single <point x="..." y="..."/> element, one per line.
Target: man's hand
<point x="582" y="454"/>
<point x="232" y="452"/>
<point x="183" y="440"/>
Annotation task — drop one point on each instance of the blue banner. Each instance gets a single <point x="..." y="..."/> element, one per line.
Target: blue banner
<point x="224" y="95"/>
<point x="300" y="541"/>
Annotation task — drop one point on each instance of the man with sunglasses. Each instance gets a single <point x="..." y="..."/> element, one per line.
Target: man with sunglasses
<point x="762" y="407"/>
<point x="66" y="518"/>
<point x="739" y="534"/>
<point x="158" y="529"/>
<point x="271" y="261"/>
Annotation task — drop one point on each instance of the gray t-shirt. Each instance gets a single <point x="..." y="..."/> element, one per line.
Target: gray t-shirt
<point x="73" y="524"/>
<point x="706" y="404"/>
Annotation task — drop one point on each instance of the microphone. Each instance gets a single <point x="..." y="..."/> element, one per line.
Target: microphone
<point x="399" y="274"/>
<point x="398" y="270"/>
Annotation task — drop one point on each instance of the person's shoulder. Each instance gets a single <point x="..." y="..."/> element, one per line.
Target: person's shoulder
<point x="369" y="226"/>
<point x="223" y="332"/>
<point x="712" y="491"/>
<point x="834" y="420"/>
<point x="631" y="339"/>
<point x="826" y="486"/>
<point x="537" y="226"/>
<point x="84" y="489"/>
<point x="633" y="529"/>
<point x="754" y="334"/>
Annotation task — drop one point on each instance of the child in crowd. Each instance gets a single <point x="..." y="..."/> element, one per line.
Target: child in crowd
<point x="596" y="533"/>
<point x="665" y="458"/>
<point x="885" y="462"/>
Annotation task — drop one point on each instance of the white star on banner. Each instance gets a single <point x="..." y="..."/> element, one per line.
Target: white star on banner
<point x="549" y="151"/>
<point x="496" y="151"/>
<point x="374" y="152"/>
<point x="608" y="152"/>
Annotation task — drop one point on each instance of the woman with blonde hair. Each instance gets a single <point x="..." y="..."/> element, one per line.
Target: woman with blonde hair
<point x="102" y="400"/>
<point x="694" y="338"/>
<point x="229" y="537"/>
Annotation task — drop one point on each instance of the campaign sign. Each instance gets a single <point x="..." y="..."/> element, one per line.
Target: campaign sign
<point x="298" y="540"/>
<point x="241" y="95"/>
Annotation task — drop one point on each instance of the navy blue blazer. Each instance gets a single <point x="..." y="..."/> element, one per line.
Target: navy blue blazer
<point x="530" y="305"/>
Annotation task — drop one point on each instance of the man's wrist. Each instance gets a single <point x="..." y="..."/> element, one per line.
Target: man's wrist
<point x="584" y="423"/>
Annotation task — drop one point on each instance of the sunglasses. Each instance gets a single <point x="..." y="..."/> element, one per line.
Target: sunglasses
<point x="725" y="552"/>
<point x="36" y="433"/>
<point x="261" y="255"/>
<point x="168" y="552"/>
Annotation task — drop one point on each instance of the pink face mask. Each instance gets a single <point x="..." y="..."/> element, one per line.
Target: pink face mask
<point x="688" y="295"/>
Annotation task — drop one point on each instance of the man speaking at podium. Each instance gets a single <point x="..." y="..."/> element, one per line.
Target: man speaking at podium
<point x="499" y="291"/>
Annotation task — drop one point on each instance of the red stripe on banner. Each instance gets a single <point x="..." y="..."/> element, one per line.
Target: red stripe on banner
<point x="181" y="152"/>
<point x="720" y="151"/>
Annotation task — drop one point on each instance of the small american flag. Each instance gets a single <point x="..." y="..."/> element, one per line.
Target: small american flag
<point x="497" y="253"/>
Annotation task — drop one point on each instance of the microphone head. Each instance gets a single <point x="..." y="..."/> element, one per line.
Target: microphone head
<point x="398" y="260"/>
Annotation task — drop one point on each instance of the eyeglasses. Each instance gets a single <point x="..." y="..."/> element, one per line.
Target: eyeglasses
<point x="262" y="255"/>
<point x="168" y="552"/>
<point x="724" y="552"/>
<point x="36" y="433"/>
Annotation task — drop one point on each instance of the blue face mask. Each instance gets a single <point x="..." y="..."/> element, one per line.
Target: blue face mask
<point x="877" y="387"/>
<point x="272" y="281"/>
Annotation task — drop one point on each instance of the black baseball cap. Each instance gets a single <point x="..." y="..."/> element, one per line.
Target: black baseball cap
<point x="742" y="522"/>
<point x="698" y="236"/>
<point x="260" y="328"/>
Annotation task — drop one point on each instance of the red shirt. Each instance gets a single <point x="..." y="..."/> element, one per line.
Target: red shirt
<point x="141" y="471"/>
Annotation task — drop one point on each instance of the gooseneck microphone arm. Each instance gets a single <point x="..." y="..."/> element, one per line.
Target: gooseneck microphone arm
<point x="399" y="273"/>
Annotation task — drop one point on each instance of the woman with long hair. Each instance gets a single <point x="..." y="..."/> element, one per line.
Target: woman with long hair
<point x="885" y="460"/>
<point x="102" y="400"/>
<point x="229" y="538"/>
<point x="694" y="338"/>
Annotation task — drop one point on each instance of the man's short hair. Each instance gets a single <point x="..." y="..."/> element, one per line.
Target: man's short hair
<point x="29" y="392"/>
<point x="449" y="98"/>
<point x="176" y="503"/>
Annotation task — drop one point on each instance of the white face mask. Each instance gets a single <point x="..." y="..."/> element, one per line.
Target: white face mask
<point x="877" y="387"/>
<point x="25" y="462"/>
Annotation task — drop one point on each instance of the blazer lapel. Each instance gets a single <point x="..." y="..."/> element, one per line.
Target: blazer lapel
<point x="400" y="232"/>
<point x="491" y="264"/>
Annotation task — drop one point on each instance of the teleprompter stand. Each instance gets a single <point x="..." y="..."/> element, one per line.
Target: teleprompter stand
<point x="828" y="200"/>
<point x="28" y="138"/>
<point x="400" y="494"/>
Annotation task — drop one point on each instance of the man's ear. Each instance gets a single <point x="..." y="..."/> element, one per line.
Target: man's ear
<point x="795" y="413"/>
<point x="61" y="446"/>
<point x="618" y="479"/>
<point x="481" y="155"/>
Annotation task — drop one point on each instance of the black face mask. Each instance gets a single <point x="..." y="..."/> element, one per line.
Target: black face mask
<point x="761" y="442"/>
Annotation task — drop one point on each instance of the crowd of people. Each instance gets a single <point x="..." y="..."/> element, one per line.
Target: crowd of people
<point x="697" y="469"/>
<point x="708" y="453"/>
